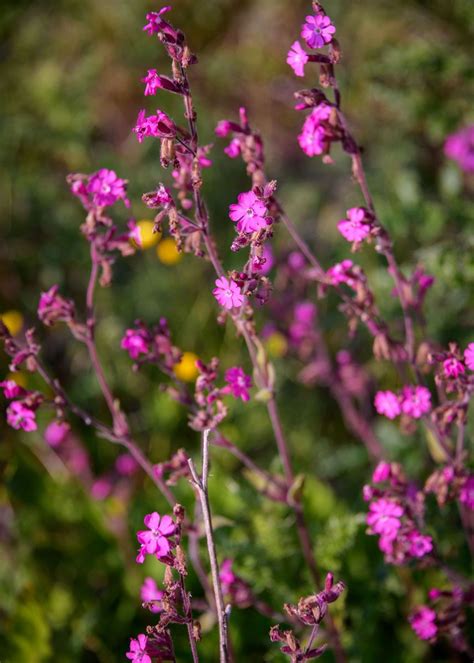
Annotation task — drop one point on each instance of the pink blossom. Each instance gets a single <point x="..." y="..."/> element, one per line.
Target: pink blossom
<point x="311" y="139"/>
<point x="355" y="228"/>
<point x="20" y="416"/>
<point x="56" y="432"/>
<point x="137" y="652"/>
<point x="249" y="213"/>
<point x="126" y="465"/>
<point x="416" y="401"/>
<point x="304" y="315"/>
<point x="341" y="273"/>
<point x="228" y="293"/>
<point x="154" y="540"/>
<point x="460" y="147"/>
<point x="238" y="383"/>
<point x="225" y="127"/>
<point x="11" y="389"/>
<point x="297" y="58"/>
<point x="155" y="23"/>
<point x="159" y="126"/>
<point x="152" y="82"/>
<point x="387" y="403"/>
<point x="384" y="517"/>
<point x="107" y="188"/>
<point x="423" y="622"/>
<point x="101" y="488"/>
<point x="135" y="342"/>
<point x="54" y="308"/>
<point x="466" y="496"/>
<point x="149" y="593"/>
<point x="367" y="493"/>
<point x="233" y="149"/>
<point x="419" y="545"/>
<point x="134" y="233"/>
<point x="381" y="472"/>
<point x="317" y="31"/>
<point x="469" y="356"/>
<point x="453" y="367"/>
<point x="227" y="576"/>
<point x="296" y="260"/>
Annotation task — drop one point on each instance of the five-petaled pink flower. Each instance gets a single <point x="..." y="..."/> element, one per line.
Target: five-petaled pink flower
<point x="453" y="367"/>
<point x="355" y="228"/>
<point x="238" y="383"/>
<point x="469" y="356"/>
<point x="149" y="593"/>
<point x="11" y="389"/>
<point x="297" y="58"/>
<point x="137" y="652"/>
<point x="249" y="213"/>
<point x="107" y="188"/>
<point x="135" y="342"/>
<point x="154" y="540"/>
<point x="423" y="622"/>
<point x="384" y="517"/>
<point x="416" y="401"/>
<point x="420" y="545"/>
<point x="466" y="496"/>
<point x="228" y="293"/>
<point x="159" y="126"/>
<point x="313" y="138"/>
<point x="317" y="31"/>
<point x="341" y="272"/>
<point x="387" y="403"/>
<point x="460" y="147"/>
<point x="20" y="416"/>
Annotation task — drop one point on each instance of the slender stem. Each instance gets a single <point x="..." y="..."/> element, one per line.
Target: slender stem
<point x="189" y="619"/>
<point x="312" y="635"/>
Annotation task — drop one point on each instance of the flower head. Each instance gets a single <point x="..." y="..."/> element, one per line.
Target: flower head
<point x="297" y="58"/>
<point x="126" y="465"/>
<point x="56" y="432"/>
<point x="469" y="356"/>
<point x="238" y="383"/>
<point x="416" y="401"/>
<point x="384" y="517"/>
<point x="387" y="403"/>
<point x="317" y="31"/>
<point x="149" y="593"/>
<point x="423" y="622"/>
<point x="159" y="125"/>
<point x="228" y="293"/>
<point x="381" y="472"/>
<point x="106" y="188"/>
<point x="341" y="272"/>
<point x="420" y="545"/>
<point x="54" y="308"/>
<point x="137" y="652"/>
<point x="460" y="147"/>
<point x="249" y="213"/>
<point x="21" y="417"/>
<point x="135" y="342"/>
<point x="355" y="228"/>
<point x="453" y="367"/>
<point x="154" y="540"/>
<point x="466" y="496"/>
<point x="11" y="389"/>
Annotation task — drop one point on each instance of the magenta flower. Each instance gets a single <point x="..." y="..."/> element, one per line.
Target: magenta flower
<point x="311" y="139"/>
<point x="354" y="228"/>
<point x="135" y="342"/>
<point x="419" y="545"/>
<point x="137" y="652"/>
<point x="233" y="149"/>
<point x="297" y="58"/>
<point x="20" y="416"/>
<point x="387" y="403"/>
<point x="107" y="188"/>
<point x="469" y="356"/>
<point x="381" y="472"/>
<point x="149" y="593"/>
<point x="134" y="233"/>
<point x="152" y="82"/>
<point x="453" y="367"/>
<point x="11" y="389"/>
<point x="466" y="496"/>
<point x="249" y="213"/>
<point x="154" y="540"/>
<point x="460" y="147"/>
<point x="228" y="293"/>
<point x="54" y="308"/>
<point x="423" y="622"/>
<point x="341" y="273"/>
<point x="238" y="383"/>
<point x="101" y="488"/>
<point x="384" y="517"/>
<point x="227" y="576"/>
<point x="56" y="432"/>
<point x="126" y="465"/>
<point x="317" y="31"/>
<point x="158" y="126"/>
<point x="416" y="401"/>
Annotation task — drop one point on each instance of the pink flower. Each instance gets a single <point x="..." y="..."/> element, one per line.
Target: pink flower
<point x="423" y="622"/>
<point x="56" y="432"/>
<point x="238" y="383"/>
<point x="249" y="213"/>
<point x="466" y="496"/>
<point x="54" y="308"/>
<point x="225" y="127"/>
<point x="137" y="652"/>
<point x="135" y="342"/>
<point x="419" y="545"/>
<point x="384" y="517"/>
<point x="154" y="540"/>
<point x="341" y="273"/>
<point x="101" y="488"/>
<point x="107" y="188"/>
<point x="227" y="576"/>
<point x="126" y="465"/>
<point x="381" y="472"/>
<point x="228" y="293"/>
<point x="152" y="82"/>
<point x="387" y="403"/>
<point x="134" y="233"/>
<point x="354" y="228"/>
<point x="317" y="31"/>
<point x="20" y="416"/>
<point x="159" y="126"/>
<point x="233" y="148"/>
<point x="416" y="401"/>
<point x="297" y="58"/>
<point x="11" y="389"/>
<point x="149" y="593"/>
<point x="469" y="356"/>
<point x="453" y="367"/>
<point x="460" y="147"/>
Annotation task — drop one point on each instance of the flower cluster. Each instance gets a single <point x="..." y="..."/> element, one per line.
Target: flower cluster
<point x="101" y="189"/>
<point x="412" y="401"/>
<point x="156" y="540"/>
<point x="151" y="345"/>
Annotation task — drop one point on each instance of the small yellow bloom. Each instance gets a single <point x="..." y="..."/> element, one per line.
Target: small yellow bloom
<point x="276" y="344"/>
<point x="167" y="251"/>
<point x="148" y="237"/>
<point x="19" y="377"/>
<point x="186" y="369"/>
<point x="13" y="320"/>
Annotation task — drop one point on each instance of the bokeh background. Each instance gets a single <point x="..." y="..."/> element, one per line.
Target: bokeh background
<point x="70" y="90"/>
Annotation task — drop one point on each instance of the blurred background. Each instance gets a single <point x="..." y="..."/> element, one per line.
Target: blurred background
<point x="70" y="89"/>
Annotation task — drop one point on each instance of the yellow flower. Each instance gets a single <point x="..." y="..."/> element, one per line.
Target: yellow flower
<point x="19" y="377"/>
<point x="276" y="344"/>
<point x="167" y="251"/>
<point x="13" y="320"/>
<point x="148" y="237"/>
<point x="186" y="369"/>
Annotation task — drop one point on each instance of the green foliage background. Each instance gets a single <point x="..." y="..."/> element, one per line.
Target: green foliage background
<point x="70" y="93"/>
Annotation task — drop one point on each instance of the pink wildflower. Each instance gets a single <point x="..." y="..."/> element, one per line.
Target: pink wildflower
<point x="317" y="31"/>
<point x="460" y="147"/>
<point x="469" y="356"/>
<point x="238" y="383"/>
<point x="126" y="465"/>
<point x="107" y="188"/>
<point x="149" y="593"/>
<point x="154" y="540"/>
<point x="152" y="82"/>
<point x="20" y="416"/>
<point x="249" y="213"/>
<point x="384" y="517"/>
<point x="54" y="308"/>
<point x="381" y="472"/>
<point x="56" y="432"/>
<point x="159" y="126"/>
<point x="419" y="545"/>
<point x="228" y="293"/>
<point x="137" y="652"/>
<point x="466" y="496"/>
<point x="387" y="403"/>
<point x="416" y="401"/>
<point x="453" y="367"/>
<point x="227" y="576"/>
<point x="355" y="228"/>
<point x="134" y="233"/>
<point x="341" y="273"/>
<point x="135" y="342"/>
<point x="233" y="149"/>
<point x="297" y="58"/>
<point x="101" y="488"/>
<point x="423" y="622"/>
<point x="155" y="23"/>
<point x="11" y="389"/>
